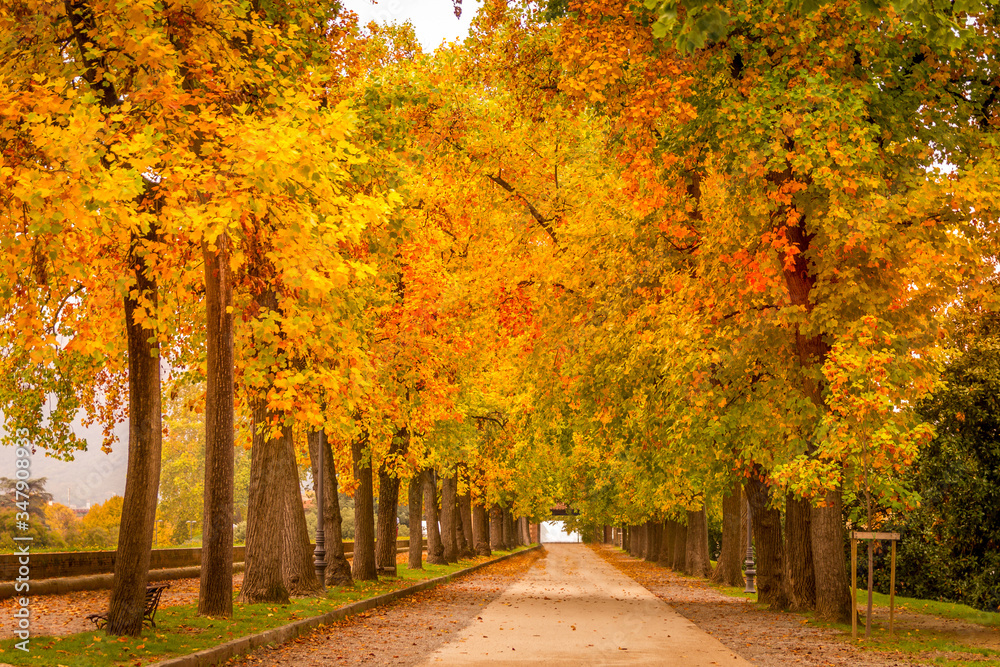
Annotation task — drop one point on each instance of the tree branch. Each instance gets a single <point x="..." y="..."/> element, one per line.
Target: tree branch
<point x="535" y="213"/>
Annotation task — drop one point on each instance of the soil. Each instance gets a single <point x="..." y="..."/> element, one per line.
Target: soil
<point x="66" y="614"/>
<point x="411" y="630"/>
<point x="573" y="608"/>
<point x="403" y="633"/>
<point x="773" y="639"/>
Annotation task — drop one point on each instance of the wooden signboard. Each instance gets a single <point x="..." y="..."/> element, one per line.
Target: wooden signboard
<point x="858" y="535"/>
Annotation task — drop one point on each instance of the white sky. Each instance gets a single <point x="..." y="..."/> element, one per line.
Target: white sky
<point x="433" y="20"/>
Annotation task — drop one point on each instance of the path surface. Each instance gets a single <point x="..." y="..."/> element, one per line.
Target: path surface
<point x="572" y="608"/>
<point x="402" y="633"/>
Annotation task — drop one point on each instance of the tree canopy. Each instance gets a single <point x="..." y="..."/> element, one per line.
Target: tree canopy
<point x="618" y="254"/>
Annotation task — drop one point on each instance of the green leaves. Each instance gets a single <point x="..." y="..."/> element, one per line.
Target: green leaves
<point x="703" y="23"/>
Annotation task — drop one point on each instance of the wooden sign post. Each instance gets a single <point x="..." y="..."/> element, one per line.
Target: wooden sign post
<point x="855" y="536"/>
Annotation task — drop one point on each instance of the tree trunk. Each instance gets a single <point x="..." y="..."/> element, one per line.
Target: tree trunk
<point x="465" y="514"/>
<point x="800" y="581"/>
<point x="262" y="580"/>
<point x="653" y="537"/>
<point x="666" y="557"/>
<point x="338" y="569"/>
<point x="696" y="561"/>
<point x="363" y="568"/>
<point x="730" y="570"/>
<point x="435" y="545"/>
<point x="769" y="546"/>
<point x="142" y="480"/>
<point x="415" y="497"/>
<point x="215" y="597"/>
<point x="833" y="599"/>
<point x="463" y="536"/>
<point x="680" y="546"/>
<point x="481" y="530"/>
<point x="496" y="528"/>
<point x="298" y="570"/>
<point x="508" y="528"/>
<point x="525" y="531"/>
<point x="449" y="519"/>
<point x="388" y="505"/>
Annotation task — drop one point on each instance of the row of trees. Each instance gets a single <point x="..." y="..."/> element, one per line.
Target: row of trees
<point x="630" y="257"/>
<point x="225" y="194"/>
<point x="952" y="534"/>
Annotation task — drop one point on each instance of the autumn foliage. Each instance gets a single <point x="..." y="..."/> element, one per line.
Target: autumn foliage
<point x="623" y="255"/>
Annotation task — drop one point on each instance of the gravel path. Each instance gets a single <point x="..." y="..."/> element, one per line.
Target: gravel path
<point x="403" y="633"/>
<point x="573" y="608"/>
<point x="766" y="638"/>
<point x="411" y="630"/>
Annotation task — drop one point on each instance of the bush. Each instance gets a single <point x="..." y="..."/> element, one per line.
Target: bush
<point x="97" y="537"/>
<point x="38" y="531"/>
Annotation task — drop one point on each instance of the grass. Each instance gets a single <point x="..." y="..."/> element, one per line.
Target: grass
<point x="952" y="610"/>
<point x="922" y="640"/>
<point x="180" y="631"/>
<point x="907" y="639"/>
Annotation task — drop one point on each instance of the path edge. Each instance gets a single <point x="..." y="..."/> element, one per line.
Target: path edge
<point x="223" y="652"/>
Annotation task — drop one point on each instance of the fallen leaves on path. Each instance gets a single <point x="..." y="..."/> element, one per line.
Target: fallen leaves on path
<point x="765" y="638"/>
<point x="402" y="633"/>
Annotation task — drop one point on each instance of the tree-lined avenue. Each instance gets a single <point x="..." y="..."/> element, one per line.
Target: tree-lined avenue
<point x="690" y="267"/>
<point x="572" y="608"/>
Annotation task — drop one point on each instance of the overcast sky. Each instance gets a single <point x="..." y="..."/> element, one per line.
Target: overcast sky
<point x="433" y="20"/>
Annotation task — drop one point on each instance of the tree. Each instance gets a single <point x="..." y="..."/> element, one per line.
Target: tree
<point x="435" y="545"/>
<point x="363" y="567"/>
<point x="215" y="597"/>
<point x="29" y="496"/>
<point x="415" y="502"/>
<point x="338" y="570"/>
<point x="388" y="497"/>
<point x="182" y="468"/>
<point x="297" y="569"/>
<point x="736" y="158"/>
<point x="63" y="522"/>
<point x="103" y="520"/>
<point x="730" y="568"/>
<point x="262" y="581"/>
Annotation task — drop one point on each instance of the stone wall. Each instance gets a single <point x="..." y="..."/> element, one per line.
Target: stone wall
<point x="81" y="563"/>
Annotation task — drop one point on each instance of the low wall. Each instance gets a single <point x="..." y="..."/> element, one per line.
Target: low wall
<point x="83" y="563"/>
